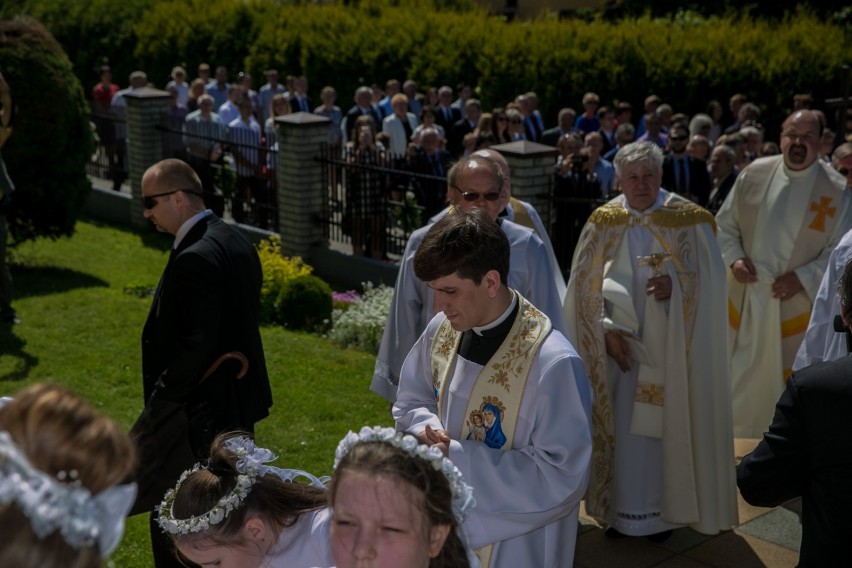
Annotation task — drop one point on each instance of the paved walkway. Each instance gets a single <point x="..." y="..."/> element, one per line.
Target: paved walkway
<point x="765" y="538"/>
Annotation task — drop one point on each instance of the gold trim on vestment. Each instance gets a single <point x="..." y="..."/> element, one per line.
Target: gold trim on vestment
<point x="733" y="315"/>
<point x="650" y="393"/>
<point x="501" y="382"/>
<point x="596" y="250"/>
<point x="671" y="215"/>
<point x="795" y="325"/>
<point x="522" y="216"/>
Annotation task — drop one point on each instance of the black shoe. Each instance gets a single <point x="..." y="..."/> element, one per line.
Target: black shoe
<point x="611" y="532"/>
<point x="660" y="536"/>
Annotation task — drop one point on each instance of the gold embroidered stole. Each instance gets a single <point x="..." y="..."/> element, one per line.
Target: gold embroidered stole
<point x="495" y="400"/>
<point x="596" y="251"/>
<point x="522" y="216"/>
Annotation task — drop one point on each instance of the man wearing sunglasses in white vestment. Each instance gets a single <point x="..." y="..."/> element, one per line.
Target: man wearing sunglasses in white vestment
<point x="474" y="181"/>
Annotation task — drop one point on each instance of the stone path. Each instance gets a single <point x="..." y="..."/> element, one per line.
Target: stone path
<point x="765" y="538"/>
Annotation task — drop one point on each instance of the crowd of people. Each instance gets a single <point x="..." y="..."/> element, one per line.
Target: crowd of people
<point x="405" y="129"/>
<point x="514" y="395"/>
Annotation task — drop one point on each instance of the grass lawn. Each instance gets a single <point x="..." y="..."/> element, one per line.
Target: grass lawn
<point x="80" y="328"/>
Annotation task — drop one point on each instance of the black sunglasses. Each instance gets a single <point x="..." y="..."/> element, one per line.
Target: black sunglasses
<point x="474" y="196"/>
<point x="150" y="201"/>
<point x="678" y="138"/>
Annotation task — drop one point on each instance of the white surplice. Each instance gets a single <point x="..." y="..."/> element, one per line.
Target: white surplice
<point x="766" y="334"/>
<point x="821" y="342"/>
<point x="528" y="497"/>
<point x="412" y="306"/>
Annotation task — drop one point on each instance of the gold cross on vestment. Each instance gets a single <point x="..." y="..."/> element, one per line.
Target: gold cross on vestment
<point x="822" y="209"/>
<point x="655" y="261"/>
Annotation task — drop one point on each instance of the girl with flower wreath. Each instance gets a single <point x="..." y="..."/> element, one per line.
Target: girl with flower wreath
<point x="397" y="502"/>
<point x="236" y="512"/>
<point x="64" y="469"/>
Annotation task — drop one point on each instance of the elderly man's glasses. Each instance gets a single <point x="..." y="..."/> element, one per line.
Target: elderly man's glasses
<point x="150" y="201"/>
<point x="474" y="196"/>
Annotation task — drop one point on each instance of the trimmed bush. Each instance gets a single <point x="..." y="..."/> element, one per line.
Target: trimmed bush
<point x="277" y="270"/>
<point x="91" y="32"/>
<point x="687" y="59"/>
<point x="52" y="138"/>
<point x="304" y="303"/>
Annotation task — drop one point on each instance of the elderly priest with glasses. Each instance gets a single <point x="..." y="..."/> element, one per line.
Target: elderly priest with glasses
<point x="205" y="307"/>
<point x="474" y="181"/>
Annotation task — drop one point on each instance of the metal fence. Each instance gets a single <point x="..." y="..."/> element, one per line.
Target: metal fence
<point x="374" y="201"/>
<point x="109" y="161"/>
<point x="236" y="166"/>
<point x="572" y="200"/>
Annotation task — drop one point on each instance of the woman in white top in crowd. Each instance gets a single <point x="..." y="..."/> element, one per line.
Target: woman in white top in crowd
<point x="427" y="120"/>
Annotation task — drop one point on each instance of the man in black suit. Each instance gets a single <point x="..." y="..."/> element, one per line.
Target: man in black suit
<point x="206" y="305"/>
<point x="723" y="170"/>
<point x="429" y="158"/>
<point x="566" y="118"/>
<point x="463" y="127"/>
<point x="807" y="453"/>
<point x="682" y="173"/>
<point x="533" y="127"/>
<point x="363" y="105"/>
<point x="446" y="115"/>
<point x="299" y="101"/>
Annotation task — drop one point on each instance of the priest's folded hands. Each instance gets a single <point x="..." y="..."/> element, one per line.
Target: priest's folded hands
<point x="660" y="287"/>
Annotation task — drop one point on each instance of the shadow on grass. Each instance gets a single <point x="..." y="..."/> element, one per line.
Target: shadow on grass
<point x="150" y="237"/>
<point x="41" y="280"/>
<point x="13" y="346"/>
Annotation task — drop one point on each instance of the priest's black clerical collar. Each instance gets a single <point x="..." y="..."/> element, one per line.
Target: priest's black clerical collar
<point x="478" y="345"/>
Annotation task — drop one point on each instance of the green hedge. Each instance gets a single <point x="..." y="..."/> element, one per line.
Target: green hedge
<point x="52" y="139"/>
<point x="687" y="59"/>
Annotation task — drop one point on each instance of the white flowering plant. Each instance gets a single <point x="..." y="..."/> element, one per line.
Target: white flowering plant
<point x="361" y="325"/>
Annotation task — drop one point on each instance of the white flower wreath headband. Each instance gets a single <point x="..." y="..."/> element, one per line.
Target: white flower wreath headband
<point x="52" y="505"/>
<point x="249" y="467"/>
<point x="462" y="492"/>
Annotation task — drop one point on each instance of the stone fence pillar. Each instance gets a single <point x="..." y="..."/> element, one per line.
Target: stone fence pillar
<point x="144" y="108"/>
<point x="531" y="166"/>
<point x="299" y="177"/>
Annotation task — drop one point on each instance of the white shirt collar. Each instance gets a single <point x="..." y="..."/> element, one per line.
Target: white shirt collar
<point x="810" y="170"/>
<point x="661" y="198"/>
<point x="189" y="224"/>
<point x="501" y="319"/>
